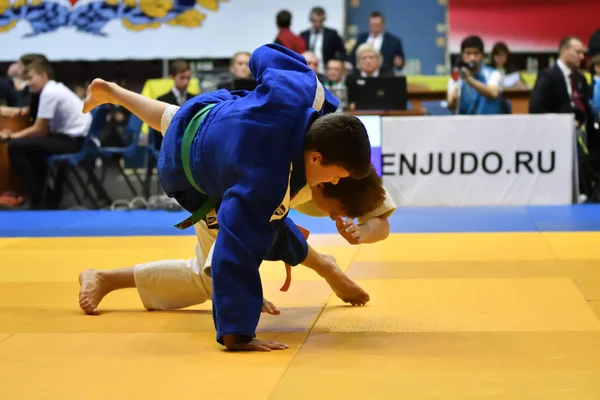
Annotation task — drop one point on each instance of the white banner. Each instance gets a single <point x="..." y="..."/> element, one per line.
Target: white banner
<point x="148" y="29"/>
<point x="479" y="160"/>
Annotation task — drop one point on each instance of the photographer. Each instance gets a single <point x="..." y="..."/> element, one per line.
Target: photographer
<point x="474" y="87"/>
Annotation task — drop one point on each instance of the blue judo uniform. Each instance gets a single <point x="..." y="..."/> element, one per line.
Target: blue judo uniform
<point x="243" y="154"/>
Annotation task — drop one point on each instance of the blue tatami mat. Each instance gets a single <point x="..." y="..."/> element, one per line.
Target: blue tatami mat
<point x="405" y="220"/>
<point x="91" y="223"/>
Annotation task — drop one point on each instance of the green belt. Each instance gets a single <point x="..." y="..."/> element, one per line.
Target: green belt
<point x="186" y="146"/>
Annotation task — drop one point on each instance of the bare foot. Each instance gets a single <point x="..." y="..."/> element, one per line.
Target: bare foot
<point x="239" y="343"/>
<point x="98" y="92"/>
<point x="92" y="291"/>
<point x="270" y="308"/>
<point x="345" y="288"/>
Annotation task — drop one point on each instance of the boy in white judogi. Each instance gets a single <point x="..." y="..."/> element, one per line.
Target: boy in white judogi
<point x="176" y="284"/>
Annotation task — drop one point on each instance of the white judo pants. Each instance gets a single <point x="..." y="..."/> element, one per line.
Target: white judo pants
<point x="174" y="284"/>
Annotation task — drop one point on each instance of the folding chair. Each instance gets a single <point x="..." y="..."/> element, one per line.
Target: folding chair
<point x="132" y="134"/>
<point x="84" y="158"/>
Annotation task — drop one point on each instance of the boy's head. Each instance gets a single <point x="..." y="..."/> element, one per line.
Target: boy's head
<point x="472" y="50"/>
<point x="336" y="146"/>
<point x="350" y="198"/>
<point x="181" y="73"/>
<point x="38" y="73"/>
<point x="26" y="59"/>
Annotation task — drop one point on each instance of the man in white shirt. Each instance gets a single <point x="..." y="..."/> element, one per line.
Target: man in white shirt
<point x="59" y="128"/>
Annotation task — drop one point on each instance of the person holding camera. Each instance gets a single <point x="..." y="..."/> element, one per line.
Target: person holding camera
<point x="475" y="88"/>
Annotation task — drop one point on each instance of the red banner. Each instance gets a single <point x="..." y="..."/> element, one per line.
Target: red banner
<point x="524" y="25"/>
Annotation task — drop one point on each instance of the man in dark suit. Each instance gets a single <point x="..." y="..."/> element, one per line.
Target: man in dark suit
<point x="369" y="64"/>
<point x="181" y="73"/>
<point x="325" y="42"/>
<point x="387" y="44"/>
<point x="563" y="88"/>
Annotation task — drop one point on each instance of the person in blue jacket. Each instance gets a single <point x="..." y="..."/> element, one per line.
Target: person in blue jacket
<point x="237" y="158"/>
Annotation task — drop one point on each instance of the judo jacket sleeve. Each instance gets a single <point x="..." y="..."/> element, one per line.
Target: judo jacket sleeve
<point x="289" y="246"/>
<point x="285" y="71"/>
<point x="246" y="233"/>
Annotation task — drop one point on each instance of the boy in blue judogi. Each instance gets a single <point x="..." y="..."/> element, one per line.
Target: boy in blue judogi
<point x="245" y="154"/>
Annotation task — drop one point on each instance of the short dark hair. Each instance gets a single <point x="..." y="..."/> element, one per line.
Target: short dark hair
<point x="472" y="42"/>
<point x="336" y="60"/>
<point x="377" y="14"/>
<point x="179" y="67"/>
<point x="320" y="11"/>
<point x="40" y="67"/>
<point x="28" y="58"/>
<point x="284" y="19"/>
<point x="342" y="140"/>
<point x="357" y="197"/>
<point x="565" y="42"/>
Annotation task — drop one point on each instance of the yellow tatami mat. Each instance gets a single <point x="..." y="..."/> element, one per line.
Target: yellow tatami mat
<point x="595" y="306"/>
<point x="4" y="336"/>
<point x="464" y="305"/>
<point x="458" y="247"/>
<point x="448" y="366"/>
<point x="137" y="366"/>
<point x="574" y="245"/>
<point x="451" y="316"/>
<point x="52" y="309"/>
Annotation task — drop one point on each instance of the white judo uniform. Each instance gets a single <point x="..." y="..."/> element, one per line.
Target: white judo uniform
<point x="175" y="284"/>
